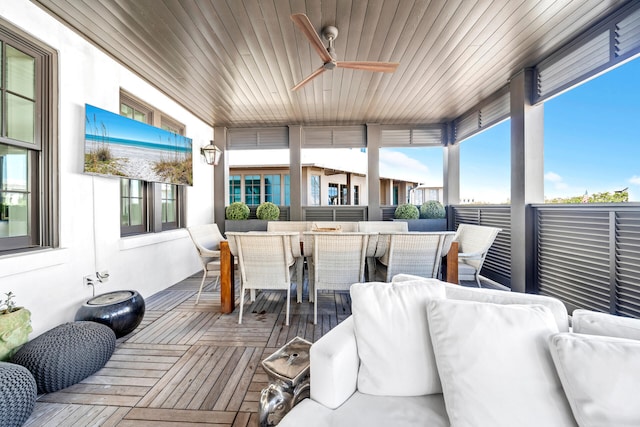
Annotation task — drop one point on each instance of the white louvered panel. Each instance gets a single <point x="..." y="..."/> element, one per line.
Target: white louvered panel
<point x="466" y="125"/>
<point x="495" y="111"/>
<point x="426" y="136"/>
<point x="628" y="263"/>
<point x="561" y="70"/>
<point x="333" y="137"/>
<point x="628" y="34"/>
<point x="258" y="138"/>
<point x="395" y="137"/>
<point x="573" y="256"/>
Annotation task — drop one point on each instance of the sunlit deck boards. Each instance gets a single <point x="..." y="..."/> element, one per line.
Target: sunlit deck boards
<point x="188" y="364"/>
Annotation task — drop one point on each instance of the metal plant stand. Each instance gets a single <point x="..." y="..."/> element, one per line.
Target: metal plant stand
<point x="288" y="371"/>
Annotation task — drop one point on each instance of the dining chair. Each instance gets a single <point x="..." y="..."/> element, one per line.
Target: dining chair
<point x="474" y="242"/>
<point x="206" y="239"/>
<point x="383" y="239"/>
<point x="416" y="253"/>
<point x="266" y="261"/>
<point x="337" y="261"/>
<point x="300" y="227"/>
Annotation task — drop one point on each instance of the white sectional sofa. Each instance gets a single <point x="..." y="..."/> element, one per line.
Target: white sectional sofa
<point x="421" y="352"/>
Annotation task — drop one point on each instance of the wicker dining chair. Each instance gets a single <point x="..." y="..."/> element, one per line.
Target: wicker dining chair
<point x="417" y="253"/>
<point x="266" y="261"/>
<point x="207" y="238"/>
<point x="474" y="242"/>
<point x="337" y="261"/>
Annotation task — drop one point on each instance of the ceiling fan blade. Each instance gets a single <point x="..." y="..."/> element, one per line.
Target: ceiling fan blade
<point x="302" y="22"/>
<point x="310" y="77"/>
<point x="383" y="67"/>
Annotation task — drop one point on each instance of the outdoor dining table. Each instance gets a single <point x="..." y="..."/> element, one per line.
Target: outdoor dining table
<point x="227" y="276"/>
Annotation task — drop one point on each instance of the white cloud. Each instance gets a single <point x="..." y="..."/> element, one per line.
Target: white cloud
<point x="553" y="177"/>
<point x="635" y="179"/>
<point x="394" y="164"/>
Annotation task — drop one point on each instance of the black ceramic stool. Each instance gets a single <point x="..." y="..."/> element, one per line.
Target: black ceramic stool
<point x="66" y="354"/>
<point x="122" y="311"/>
<point x="18" y="392"/>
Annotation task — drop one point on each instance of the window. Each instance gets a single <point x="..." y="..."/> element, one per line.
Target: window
<point x="343" y="194"/>
<point x="356" y="194"/>
<point x="252" y="189"/>
<point x="287" y="190"/>
<point x="315" y="190"/>
<point x="147" y="206"/>
<point x="272" y="189"/>
<point x="28" y="101"/>
<point x="235" y="190"/>
<point x="333" y="194"/>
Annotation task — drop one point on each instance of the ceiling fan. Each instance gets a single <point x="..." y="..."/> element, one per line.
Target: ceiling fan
<point x="328" y="54"/>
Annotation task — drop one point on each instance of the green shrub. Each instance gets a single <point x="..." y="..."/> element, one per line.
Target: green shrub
<point x="237" y="210"/>
<point x="406" y="211"/>
<point x="432" y="209"/>
<point x="268" y="211"/>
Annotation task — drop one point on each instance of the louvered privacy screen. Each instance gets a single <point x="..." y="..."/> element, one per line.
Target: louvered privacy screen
<point x="611" y="42"/>
<point x="589" y="257"/>
<point x="334" y="137"/>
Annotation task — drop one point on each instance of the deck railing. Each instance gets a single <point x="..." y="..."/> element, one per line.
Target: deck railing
<point x="586" y="255"/>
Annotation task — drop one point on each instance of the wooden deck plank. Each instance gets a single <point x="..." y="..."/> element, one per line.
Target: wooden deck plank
<point x="189" y="365"/>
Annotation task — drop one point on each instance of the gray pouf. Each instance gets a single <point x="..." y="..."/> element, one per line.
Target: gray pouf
<point x="18" y="392"/>
<point x="66" y="354"/>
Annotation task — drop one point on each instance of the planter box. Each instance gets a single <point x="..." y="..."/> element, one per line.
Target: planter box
<point x="439" y="224"/>
<point x="245" y="225"/>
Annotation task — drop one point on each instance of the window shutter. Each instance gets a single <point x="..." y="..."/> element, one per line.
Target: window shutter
<point x="334" y="137"/>
<point x="258" y="138"/>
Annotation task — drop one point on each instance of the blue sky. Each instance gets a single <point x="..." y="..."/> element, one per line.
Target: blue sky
<point x="591" y="137"/>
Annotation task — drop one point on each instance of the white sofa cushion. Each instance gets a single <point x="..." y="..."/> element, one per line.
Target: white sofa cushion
<point x="499" y="297"/>
<point x="371" y="411"/>
<point x="495" y="365"/>
<point x="392" y="335"/>
<point x="600" y="376"/>
<point x="596" y="323"/>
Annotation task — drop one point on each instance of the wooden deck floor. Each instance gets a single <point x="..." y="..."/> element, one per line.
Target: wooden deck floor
<point x="187" y="364"/>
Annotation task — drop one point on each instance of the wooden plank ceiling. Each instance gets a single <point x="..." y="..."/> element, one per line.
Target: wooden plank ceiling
<point x="233" y="63"/>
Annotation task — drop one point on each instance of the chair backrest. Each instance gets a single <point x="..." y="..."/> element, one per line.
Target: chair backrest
<point x="415" y="253"/>
<point x="299" y="226"/>
<point x="383" y="226"/>
<point x="264" y="258"/>
<point x="206" y="238"/>
<point x="338" y="258"/>
<point x="475" y="239"/>
<point x="348" y="226"/>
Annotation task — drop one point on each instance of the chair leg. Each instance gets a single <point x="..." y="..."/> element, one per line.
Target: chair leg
<point x="478" y="280"/>
<point x="252" y="293"/>
<point x="288" y="302"/>
<point x="315" y="306"/>
<point x="300" y="278"/>
<point x="204" y="277"/>
<point x="241" y="305"/>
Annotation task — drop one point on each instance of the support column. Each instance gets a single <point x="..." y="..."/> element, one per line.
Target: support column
<point x="220" y="177"/>
<point x="373" y="172"/>
<point x="295" y="173"/>
<point x="451" y="175"/>
<point x="527" y="178"/>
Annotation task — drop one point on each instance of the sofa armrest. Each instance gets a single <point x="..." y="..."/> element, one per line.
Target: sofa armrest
<point x="334" y="365"/>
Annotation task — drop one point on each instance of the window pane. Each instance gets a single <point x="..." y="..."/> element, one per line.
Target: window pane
<point x="287" y="190"/>
<point x="234" y="189"/>
<point x="136" y="212"/>
<point x="126" y="111"/>
<point x="252" y="189"/>
<point x="315" y="190"/>
<point x="272" y="189"/>
<point x="20" y="118"/>
<point x="141" y="117"/>
<point x="168" y="211"/>
<point x="124" y="212"/>
<point x="21" y="73"/>
<point x="333" y="194"/>
<point x="14" y="192"/>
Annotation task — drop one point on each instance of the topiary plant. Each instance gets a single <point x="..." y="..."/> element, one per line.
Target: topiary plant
<point x="268" y="211"/>
<point x="406" y="211"/>
<point x="237" y="211"/>
<point x="432" y="209"/>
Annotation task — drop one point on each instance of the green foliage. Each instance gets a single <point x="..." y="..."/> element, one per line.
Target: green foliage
<point x="7" y="305"/>
<point x="406" y="211"/>
<point x="268" y="211"/>
<point x="237" y="211"/>
<point x="605" y="197"/>
<point x="432" y="209"/>
<point x="175" y="171"/>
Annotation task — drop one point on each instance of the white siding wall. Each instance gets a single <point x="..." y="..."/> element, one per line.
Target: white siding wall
<point x="49" y="283"/>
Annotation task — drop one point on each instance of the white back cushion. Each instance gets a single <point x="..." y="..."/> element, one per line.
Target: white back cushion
<point x="495" y="366"/>
<point x="392" y="335"/>
<point x="596" y="323"/>
<point x="600" y="376"/>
